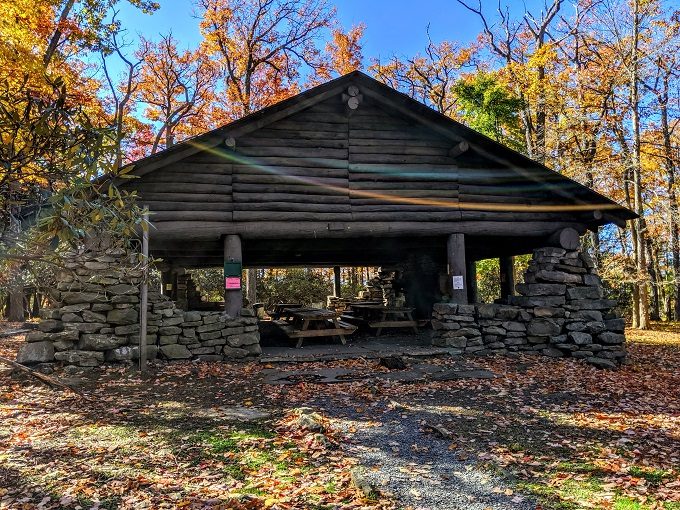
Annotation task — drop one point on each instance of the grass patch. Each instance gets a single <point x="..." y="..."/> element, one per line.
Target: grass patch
<point x="245" y="451"/>
<point x="558" y="493"/>
<point x="625" y="503"/>
<point x="653" y="476"/>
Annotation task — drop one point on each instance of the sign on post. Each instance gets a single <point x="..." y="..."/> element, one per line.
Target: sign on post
<point x="232" y="282"/>
<point x="232" y="275"/>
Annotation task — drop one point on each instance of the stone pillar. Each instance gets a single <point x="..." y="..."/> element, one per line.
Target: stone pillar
<point x="507" y="269"/>
<point x="336" y="282"/>
<point x="455" y="250"/>
<point x="559" y="311"/>
<point x="233" y="298"/>
<point x="97" y="312"/>
<point x="571" y="317"/>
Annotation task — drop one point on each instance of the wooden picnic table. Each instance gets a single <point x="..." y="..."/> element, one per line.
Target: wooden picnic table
<point x="380" y="316"/>
<point x="280" y="309"/>
<point x="314" y="322"/>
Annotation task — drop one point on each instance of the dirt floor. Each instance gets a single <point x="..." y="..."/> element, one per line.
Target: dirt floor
<point x="543" y="433"/>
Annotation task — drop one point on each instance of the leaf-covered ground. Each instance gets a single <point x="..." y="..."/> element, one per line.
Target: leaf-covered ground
<point x="559" y="431"/>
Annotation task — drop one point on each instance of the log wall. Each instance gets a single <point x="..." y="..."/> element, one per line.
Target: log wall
<point x="327" y="164"/>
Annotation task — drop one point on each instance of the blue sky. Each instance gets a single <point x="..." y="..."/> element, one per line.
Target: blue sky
<point x="392" y="26"/>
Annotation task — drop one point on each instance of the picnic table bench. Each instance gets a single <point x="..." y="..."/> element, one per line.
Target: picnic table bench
<point x="380" y="316"/>
<point x="313" y="322"/>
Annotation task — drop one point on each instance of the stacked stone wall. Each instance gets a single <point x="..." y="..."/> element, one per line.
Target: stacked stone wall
<point x="97" y="319"/>
<point x="560" y="312"/>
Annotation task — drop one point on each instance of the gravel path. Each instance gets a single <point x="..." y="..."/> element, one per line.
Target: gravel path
<point x="416" y="468"/>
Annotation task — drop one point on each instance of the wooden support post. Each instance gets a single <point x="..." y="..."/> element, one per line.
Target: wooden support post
<point x="251" y="286"/>
<point x="336" y="281"/>
<point x="167" y="283"/>
<point x="233" y="298"/>
<point x="471" y="279"/>
<point x="507" y="267"/>
<point x="144" y="294"/>
<point x="455" y="249"/>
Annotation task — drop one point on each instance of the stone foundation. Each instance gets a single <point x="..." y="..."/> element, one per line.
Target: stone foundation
<point x="97" y="320"/>
<point x="559" y="312"/>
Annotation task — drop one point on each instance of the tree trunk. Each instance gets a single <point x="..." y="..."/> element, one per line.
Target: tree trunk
<point x="655" y="303"/>
<point x="674" y="228"/>
<point x="251" y="286"/>
<point x="56" y="36"/>
<point x="15" y="310"/>
<point x="37" y="298"/>
<point x="638" y="224"/>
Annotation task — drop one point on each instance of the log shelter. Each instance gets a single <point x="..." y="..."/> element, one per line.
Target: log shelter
<point x="355" y="173"/>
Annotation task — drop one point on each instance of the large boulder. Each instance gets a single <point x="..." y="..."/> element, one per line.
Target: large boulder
<point x="543" y="327"/>
<point x="122" y="316"/>
<point x="50" y="325"/>
<point x="97" y="342"/>
<point x="557" y="277"/>
<point x="610" y="338"/>
<point x="81" y="358"/>
<point x="580" y="338"/>
<point x="90" y="316"/>
<point x="244" y="339"/>
<point x="79" y="298"/>
<point x="36" y="336"/>
<point x="175" y="351"/>
<point x="122" y="289"/>
<point x="35" y="352"/>
<point x="541" y="289"/>
<point x="128" y="353"/>
<point x="592" y="292"/>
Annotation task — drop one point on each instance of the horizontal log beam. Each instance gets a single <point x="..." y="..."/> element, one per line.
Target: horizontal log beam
<point x="292" y="142"/>
<point x="292" y="207"/>
<point x="301" y="134"/>
<point x="399" y="149"/>
<point x="294" y="152"/>
<point x="223" y="205"/>
<point x="189" y="179"/>
<point x="173" y="187"/>
<point x="273" y="229"/>
<point x="303" y="189"/>
<point x="157" y="217"/>
<point x="289" y="216"/>
<point x="240" y="197"/>
<point x="400" y="159"/>
<point x="186" y="198"/>
<point x="288" y="179"/>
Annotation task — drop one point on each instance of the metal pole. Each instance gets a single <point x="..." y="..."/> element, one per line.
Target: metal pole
<point x="144" y="292"/>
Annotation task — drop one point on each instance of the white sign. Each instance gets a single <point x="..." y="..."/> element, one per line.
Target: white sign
<point x="457" y="283"/>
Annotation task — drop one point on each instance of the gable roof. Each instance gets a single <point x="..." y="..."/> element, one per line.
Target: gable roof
<point x="407" y="107"/>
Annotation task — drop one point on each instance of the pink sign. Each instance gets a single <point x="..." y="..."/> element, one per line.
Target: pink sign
<point x="232" y="282"/>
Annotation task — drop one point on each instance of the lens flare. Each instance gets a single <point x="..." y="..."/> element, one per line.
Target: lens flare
<point x="512" y="187"/>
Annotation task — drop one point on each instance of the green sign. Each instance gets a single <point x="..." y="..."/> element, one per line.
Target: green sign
<point x="232" y="269"/>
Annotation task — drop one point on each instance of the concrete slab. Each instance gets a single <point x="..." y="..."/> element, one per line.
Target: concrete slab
<point x="370" y="349"/>
<point x="416" y="373"/>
